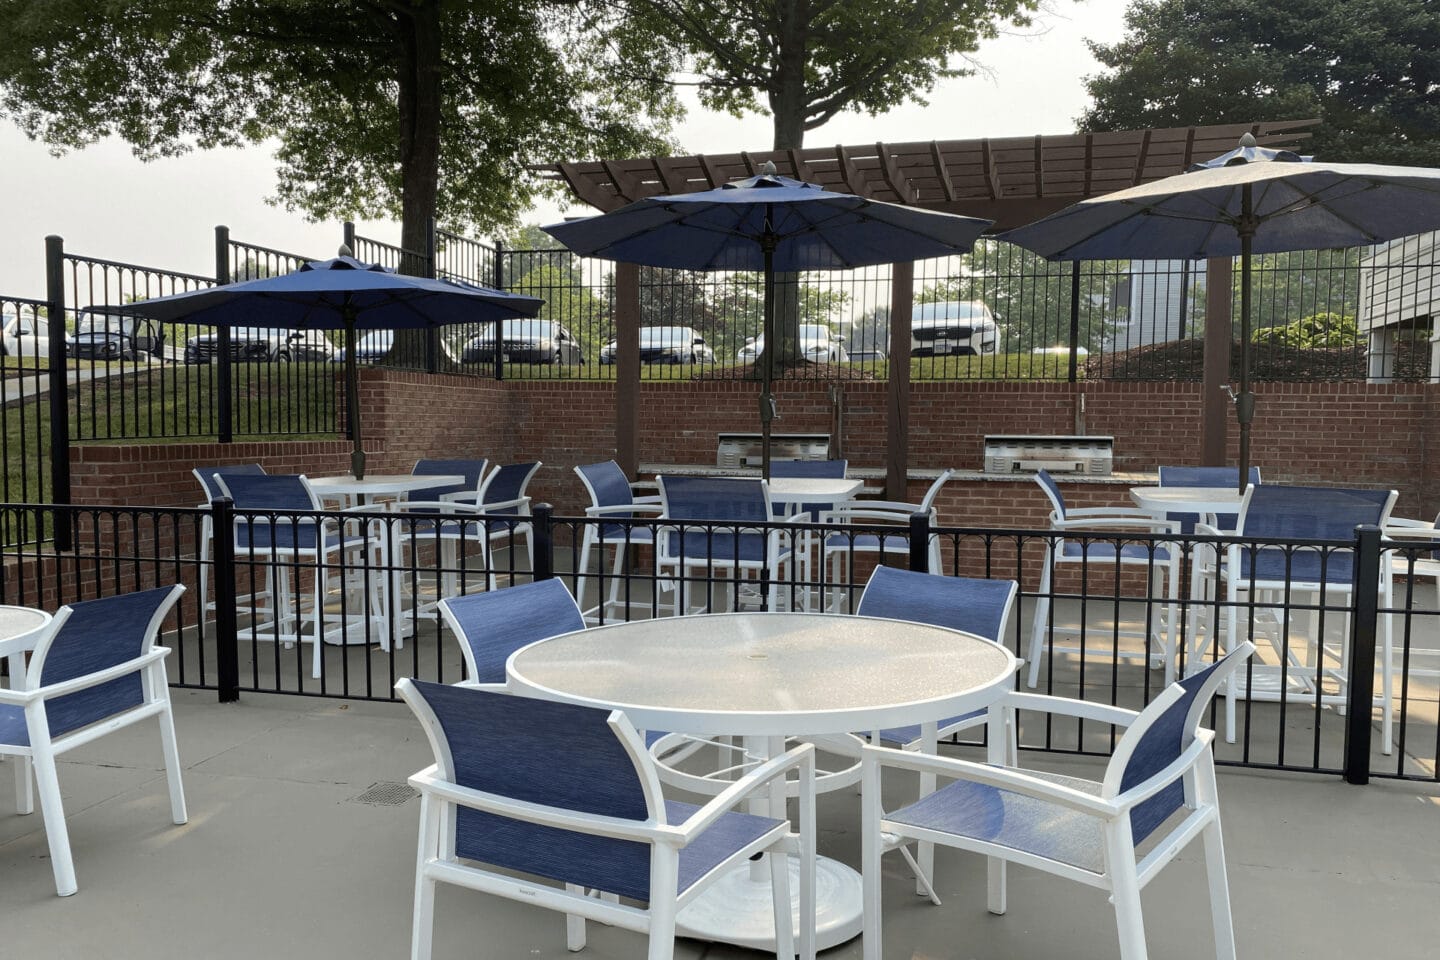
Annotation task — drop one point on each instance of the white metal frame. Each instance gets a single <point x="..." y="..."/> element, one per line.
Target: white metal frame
<point x="592" y="540"/>
<point x="1122" y="876"/>
<point x="40" y="755"/>
<point x="436" y="862"/>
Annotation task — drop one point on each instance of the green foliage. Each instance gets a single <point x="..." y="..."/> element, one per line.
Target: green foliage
<point x="1367" y="68"/>
<point x="1317" y="331"/>
<point x="380" y="109"/>
<point x="805" y="62"/>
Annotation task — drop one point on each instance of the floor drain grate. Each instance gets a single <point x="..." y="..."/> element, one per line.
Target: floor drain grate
<point x="387" y="794"/>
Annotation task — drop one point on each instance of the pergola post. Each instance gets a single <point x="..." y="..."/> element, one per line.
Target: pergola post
<point x="627" y="367"/>
<point x="897" y="393"/>
<point x="1215" y="375"/>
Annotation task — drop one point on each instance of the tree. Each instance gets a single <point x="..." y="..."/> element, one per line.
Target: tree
<point x="1369" y="69"/>
<point x="811" y="59"/>
<point x="380" y="107"/>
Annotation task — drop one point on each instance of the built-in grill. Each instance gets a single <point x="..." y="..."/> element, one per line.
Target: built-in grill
<point x="745" y="450"/>
<point x="1020" y="454"/>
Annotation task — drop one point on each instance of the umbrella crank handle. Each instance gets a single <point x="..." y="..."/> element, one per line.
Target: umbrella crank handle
<point x="768" y="409"/>
<point x="1244" y="403"/>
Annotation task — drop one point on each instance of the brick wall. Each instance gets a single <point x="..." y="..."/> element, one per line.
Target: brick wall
<point x="1347" y="433"/>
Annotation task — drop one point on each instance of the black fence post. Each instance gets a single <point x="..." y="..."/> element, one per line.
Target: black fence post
<point x="1074" y="372"/>
<point x="59" y="391"/>
<point x="222" y="580"/>
<point x="224" y="383"/>
<point x="347" y="236"/>
<point x="920" y="542"/>
<point x="544" y="532"/>
<point x="1360" y="684"/>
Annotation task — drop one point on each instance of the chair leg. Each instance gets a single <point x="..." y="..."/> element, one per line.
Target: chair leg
<point x="586" y="544"/>
<point x="318" y="613"/>
<point x="1125" y="889"/>
<point x="780" y="901"/>
<point x="57" y="834"/>
<point x="664" y="874"/>
<point x="24" y="785"/>
<point x="171" y="750"/>
<point x="423" y="923"/>
<point x="1039" y="624"/>
<point x="203" y="575"/>
<point x="1220" y="918"/>
<point x="574" y="923"/>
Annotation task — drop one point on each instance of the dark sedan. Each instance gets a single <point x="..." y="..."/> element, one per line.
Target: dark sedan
<point x="525" y="341"/>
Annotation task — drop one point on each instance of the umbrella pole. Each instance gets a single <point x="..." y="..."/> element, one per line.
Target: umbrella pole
<point x="352" y="398"/>
<point x="767" y="364"/>
<point x="1245" y="402"/>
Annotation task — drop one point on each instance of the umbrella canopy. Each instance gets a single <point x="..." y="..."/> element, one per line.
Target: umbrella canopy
<point x="340" y="294"/>
<point x="767" y="223"/>
<point x="1250" y="200"/>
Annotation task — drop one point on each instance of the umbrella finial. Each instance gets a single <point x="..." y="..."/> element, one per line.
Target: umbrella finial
<point x="345" y="251"/>
<point x="767" y="169"/>
<point x="1247" y="139"/>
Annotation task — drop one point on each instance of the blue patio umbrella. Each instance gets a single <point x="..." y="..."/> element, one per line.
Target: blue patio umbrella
<point x="1250" y="200"/>
<point x="767" y="223"/>
<point x="340" y="294"/>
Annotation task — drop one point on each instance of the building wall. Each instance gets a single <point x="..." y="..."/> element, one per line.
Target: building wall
<point x="1327" y="434"/>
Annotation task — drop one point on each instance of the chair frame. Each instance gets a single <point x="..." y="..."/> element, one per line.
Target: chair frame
<point x="877" y="513"/>
<point x="1312" y="670"/>
<point x="39" y="756"/>
<point x="1111" y="523"/>
<point x="518" y="522"/>
<point x="1110" y="806"/>
<point x="260" y="599"/>
<point x="436" y="862"/>
<point x="776" y="554"/>
<point x="595" y="538"/>
<point x="331" y="543"/>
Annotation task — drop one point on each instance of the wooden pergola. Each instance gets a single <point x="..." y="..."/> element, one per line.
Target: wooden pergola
<point x="1011" y="180"/>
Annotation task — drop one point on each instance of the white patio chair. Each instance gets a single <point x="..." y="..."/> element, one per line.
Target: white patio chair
<point x="467" y="491"/>
<point x="285" y="529"/>
<point x="839" y="550"/>
<point x="717" y="528"/>
<point x="502" y="495"/>
<point x="1254" y="571"/>
<point x="612" y="499"/>
<point x="1106" y="545"/>
<point x="1159" y="789"/>
<point x="981" y="607"/>
<point x="492" y="625"/>
<point x="567" y="794"/>
<point x="95" y="670"/>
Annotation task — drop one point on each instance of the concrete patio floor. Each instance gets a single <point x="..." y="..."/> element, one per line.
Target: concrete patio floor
<point x="284" y="857"/>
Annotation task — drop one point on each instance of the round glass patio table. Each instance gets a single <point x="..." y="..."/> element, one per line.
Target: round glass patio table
<point x="18" y="628"/>
<point x="766" y="676"/>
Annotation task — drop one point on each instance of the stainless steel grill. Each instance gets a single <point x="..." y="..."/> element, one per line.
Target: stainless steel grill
<point x="744" y="449"/>
<point x="1057" y="454"/>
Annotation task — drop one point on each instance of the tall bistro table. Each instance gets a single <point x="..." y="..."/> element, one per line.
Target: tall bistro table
<point x="359" y="492"/>
<point x="766" y="676"/>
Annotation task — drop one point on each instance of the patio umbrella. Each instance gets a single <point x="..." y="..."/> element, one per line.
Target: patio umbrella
<point x="767" y="223"/>
<point x="340" y="294"/>
<point x="1250" y="200"/>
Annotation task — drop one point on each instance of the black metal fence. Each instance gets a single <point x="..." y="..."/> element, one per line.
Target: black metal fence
<point x="1332" y="665"/>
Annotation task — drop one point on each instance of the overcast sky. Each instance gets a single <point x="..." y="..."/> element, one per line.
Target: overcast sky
<point x="107" y="204"/>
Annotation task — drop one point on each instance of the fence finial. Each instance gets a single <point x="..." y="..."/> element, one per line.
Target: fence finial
<point x="345" y="250"/>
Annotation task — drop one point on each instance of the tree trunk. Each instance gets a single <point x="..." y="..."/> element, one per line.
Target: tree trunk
<point x="787" y="110"/>
<point x="418" y="82"/>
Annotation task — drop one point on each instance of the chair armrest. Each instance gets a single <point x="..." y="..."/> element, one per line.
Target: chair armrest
<point x="654" y="498"/>
<point x="893" y="506"/>
<point x="504" y="505"/>
<point x="21" y="697"/>
<point x="1066" y="706"/>
<point x="1132" y="524"/>
<point x="429" y="782"/>
<point x="1161" y="779"/>
<point x="1109" y="512"/>
<point x="801" y="756"/>
<point x="637" y="507"/>
<point x="1004" y="778"/>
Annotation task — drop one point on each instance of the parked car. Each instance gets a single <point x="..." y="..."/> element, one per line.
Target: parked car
<point x="100" y="335"/>
<point x="525" y="341"/>
<point x="953" y="328"/>
<point x="24" y="336"/>
<point x="259" y="344"/>
<point x="818" y="344"/>
<point x="375" y="346"/>
<point x="667" y="345"/>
